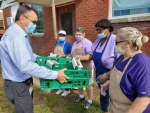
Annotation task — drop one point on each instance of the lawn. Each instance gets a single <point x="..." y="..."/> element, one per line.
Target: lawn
<point x="51" y="103"/>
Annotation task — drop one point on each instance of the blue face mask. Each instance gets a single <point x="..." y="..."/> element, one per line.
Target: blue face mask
<point x="101" y="35"/>
<point x="30" y="28"/>
<point x="62" y="39"/>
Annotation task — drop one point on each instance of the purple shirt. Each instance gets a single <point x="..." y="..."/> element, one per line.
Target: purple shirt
<point x="85" y="45"/>
<point x="136" y="80"/>
<point x="109" y="54"/>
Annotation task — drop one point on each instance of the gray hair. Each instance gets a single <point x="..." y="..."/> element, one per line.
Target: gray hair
<point x="22" y="10"/>
<point x="132" y="34"/>
<point x="80" y="29"/>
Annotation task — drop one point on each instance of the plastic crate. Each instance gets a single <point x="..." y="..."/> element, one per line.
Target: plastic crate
<point x="77" y="79"/>
<point x="42" y="59"/>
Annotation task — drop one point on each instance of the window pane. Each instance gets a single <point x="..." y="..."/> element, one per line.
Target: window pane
<point x="39" y="28"/>
<point x="66" y="22"/>
<point x="129" y="7"/>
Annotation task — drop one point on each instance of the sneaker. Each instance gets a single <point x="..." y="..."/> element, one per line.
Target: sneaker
<point x="59" y="91"/>
<point x="87" y="105"/>
<point x="79" y="99"/>
<point x="65" y="93"/>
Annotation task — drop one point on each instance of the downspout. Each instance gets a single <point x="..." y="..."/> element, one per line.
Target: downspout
<point x="54" y="19"/>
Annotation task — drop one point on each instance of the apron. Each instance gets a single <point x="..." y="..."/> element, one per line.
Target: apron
<point x="86" y="64"/>
<point x="97" y="58"/>
<point x="59" y="50"/>
<point x="119" y="103"/>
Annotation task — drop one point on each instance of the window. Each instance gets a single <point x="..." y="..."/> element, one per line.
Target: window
<point x="130" y="7"/>
<point x="39" y="28"/>
<point x="66" y="22"/>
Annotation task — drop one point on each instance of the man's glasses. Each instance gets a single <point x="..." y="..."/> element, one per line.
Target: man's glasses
<point x="120" y="42"/>
<point x="33" y="21"/>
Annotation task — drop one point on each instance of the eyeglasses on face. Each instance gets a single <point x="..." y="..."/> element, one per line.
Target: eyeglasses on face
<point x="33" y="21"/>
<point x="99" y="30"/>
<point x="120" y="42"/>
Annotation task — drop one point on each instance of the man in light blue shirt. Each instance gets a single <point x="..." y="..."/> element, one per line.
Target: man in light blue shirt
<point x="17" y="59"/>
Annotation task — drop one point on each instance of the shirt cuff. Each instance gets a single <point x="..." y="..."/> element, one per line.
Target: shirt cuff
<point x="53" y="75"/>
<point x="35" y="56"/>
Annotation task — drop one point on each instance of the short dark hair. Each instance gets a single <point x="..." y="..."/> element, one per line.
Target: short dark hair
<point x="104" y="23"/>
<point x="22" y="10"/>
<point x="80" y="29"/>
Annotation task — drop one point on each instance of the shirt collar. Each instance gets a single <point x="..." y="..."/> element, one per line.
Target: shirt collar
<point x="22" y="32"/>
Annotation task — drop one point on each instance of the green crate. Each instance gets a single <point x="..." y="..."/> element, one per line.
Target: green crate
<point x="77" y="79"/>
<point x="42" y="59"/>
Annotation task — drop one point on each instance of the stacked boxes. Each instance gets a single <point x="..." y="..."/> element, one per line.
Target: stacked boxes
<point x="78" y="78"/>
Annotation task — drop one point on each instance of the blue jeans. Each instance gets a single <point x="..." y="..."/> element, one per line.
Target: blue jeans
<point x="104" y="101"/>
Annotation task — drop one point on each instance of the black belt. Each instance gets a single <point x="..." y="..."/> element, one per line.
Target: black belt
<point x="29" y="80"/>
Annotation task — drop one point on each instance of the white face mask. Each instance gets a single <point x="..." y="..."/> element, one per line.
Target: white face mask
<point x="119" y="50"/>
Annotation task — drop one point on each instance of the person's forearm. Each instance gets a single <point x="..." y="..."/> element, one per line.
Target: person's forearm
<point x="108" y="74"/>
<point x="139" y="105"/>
<point x="86" y="57"/>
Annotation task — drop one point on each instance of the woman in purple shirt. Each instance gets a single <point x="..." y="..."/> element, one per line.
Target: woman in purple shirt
<point x="130" y="78"/>
<point x="103" y="54"/>
<point x="82" y="46"/>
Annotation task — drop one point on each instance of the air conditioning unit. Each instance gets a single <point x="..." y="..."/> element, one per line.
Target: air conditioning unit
<point x="9" y="21"/>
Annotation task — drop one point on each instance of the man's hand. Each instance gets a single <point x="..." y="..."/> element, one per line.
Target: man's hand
<point x="61" y="76"/>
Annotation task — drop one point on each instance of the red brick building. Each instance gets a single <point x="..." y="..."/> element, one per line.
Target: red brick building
<point x="86" y="13"/>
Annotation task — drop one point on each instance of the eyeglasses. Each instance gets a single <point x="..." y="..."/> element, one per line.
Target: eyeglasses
<point x="33" y="21"/>
<point x="99" y="30"/>
<point x="120" y="42"/>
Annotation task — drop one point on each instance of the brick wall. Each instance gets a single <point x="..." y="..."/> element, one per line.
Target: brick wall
<point x="6" y="13"/>
<point x="88" y="12"/>
<point x="45" y="45"/>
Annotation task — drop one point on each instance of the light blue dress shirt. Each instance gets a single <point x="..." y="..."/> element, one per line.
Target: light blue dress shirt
<point x="17" y="57"/>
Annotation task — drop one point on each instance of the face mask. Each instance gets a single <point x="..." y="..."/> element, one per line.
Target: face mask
<point x="101" y="35"/>
<point x="78" y="38"/>
<point x="62" y="39"/>
<point x="119" y="50"/>
<point x="30" y="28"/>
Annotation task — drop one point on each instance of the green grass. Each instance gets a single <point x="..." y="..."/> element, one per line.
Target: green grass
<point x="52" y="103"/>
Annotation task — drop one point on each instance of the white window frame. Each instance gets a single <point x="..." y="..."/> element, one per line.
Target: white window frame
<point x="126" y="18"/>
